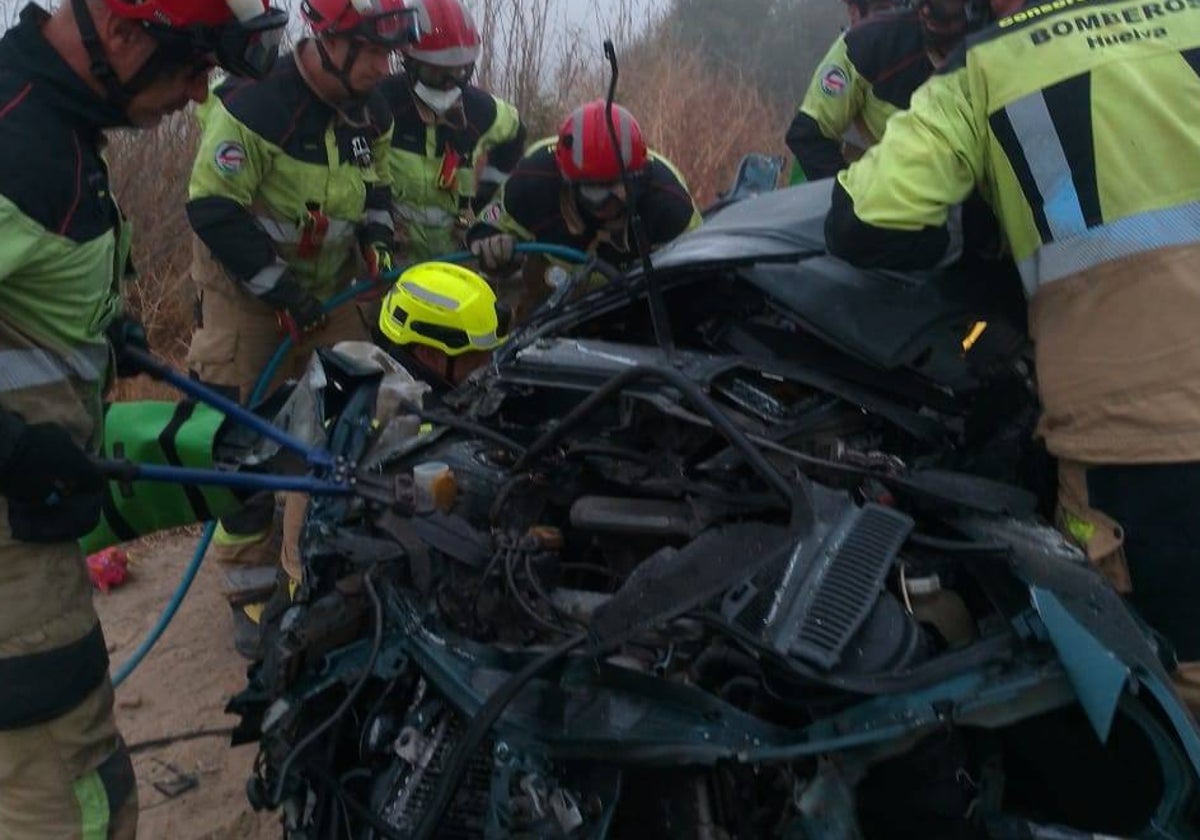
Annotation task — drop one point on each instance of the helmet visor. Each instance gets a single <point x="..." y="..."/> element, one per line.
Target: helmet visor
<point x="242" y="48"/>
<point x="251" y="49"/>
<point x="384" y="22"/>
<point x="597" y="197"/>
<point x="443" y="78"/>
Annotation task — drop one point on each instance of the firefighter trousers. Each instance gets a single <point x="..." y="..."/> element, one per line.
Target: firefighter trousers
<point x="64" y="770"/>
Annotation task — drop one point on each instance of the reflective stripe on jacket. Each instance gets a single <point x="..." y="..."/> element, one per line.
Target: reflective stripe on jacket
<point x="433" y="166"/>
<point x="1077" y="120"/>
<point x="278" y="167"/>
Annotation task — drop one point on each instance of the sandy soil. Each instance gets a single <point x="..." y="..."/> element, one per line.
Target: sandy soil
<point x="182" y="686"/>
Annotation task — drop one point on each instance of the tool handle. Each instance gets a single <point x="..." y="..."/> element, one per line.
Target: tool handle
<point x="128" y="471"/>
<point x="314" y="456"/>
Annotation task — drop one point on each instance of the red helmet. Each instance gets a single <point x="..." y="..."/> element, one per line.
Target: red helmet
<point x="447" y="35"/>
<point x="385" y="22"/>
<point x="585" y="150"/>
<point x="241" y="35"/>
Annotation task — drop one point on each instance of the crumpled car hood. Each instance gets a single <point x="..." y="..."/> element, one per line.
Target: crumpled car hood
<point x="772" y="226"/>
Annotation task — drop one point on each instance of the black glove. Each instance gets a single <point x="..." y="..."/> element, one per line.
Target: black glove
<point x="299" y="313"/>
<point x="44" y="465"/>
<point x="123" y="333"/>
<point x="376" y="241"/>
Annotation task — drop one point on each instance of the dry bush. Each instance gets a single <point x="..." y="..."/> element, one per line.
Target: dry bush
<point x="546" y="65"/>
<point x="702" y="120"/>
<point x="150" y="172"/>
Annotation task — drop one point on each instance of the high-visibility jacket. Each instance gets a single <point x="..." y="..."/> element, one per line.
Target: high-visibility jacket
<point x="283" y="181"/>
<point x="536" y="205"/>
<point x="65" y="245"/>
<point x="63" y="251"/>
<point x="1077" y="121"/>
<point x="868" y="75"/>
<point x="437" y="184"/>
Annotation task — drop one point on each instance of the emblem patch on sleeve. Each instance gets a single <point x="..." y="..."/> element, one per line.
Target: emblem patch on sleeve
<point x="833" y="80"/>
<point x="230" y="157"/>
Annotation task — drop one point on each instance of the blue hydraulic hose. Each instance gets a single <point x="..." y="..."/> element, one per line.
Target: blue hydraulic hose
<point x="264" y="379"/>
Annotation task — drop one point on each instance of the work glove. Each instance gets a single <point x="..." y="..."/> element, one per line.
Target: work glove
<point x="123" y="333"/>
<point x="376" y="242"/>
<point x="378" y="256"/>
<point x="298" y="312"/>
<point x="43" y="465"/>
<point x="496" y="253"/>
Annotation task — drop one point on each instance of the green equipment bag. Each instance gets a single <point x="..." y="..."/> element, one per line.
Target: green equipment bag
<point x="182" y="434"/>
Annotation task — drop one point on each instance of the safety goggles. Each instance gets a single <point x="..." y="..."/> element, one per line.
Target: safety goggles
<point x="599" y="196"/>
<point x="392" y="30"/>
<point x="244" y="49"/>
<point x="443" y="78"/>
<point x="386" y="23"/>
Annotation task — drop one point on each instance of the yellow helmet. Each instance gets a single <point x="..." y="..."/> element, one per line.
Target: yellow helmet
<point x="444" y="306"/>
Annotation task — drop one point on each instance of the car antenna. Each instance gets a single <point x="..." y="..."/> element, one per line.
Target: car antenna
<point x="659" y="317"/>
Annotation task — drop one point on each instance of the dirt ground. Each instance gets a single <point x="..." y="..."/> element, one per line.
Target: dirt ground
<point x="182" y="686"/>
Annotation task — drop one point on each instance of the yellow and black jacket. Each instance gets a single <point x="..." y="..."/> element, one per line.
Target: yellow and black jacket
<point x="868" y="75"/>
<point x="1077" y="121"/>
<point x="433" y="165"/>
<point x="535" y="204"/>
<point x="63" y="252"/>
<point x="273" y="157"/>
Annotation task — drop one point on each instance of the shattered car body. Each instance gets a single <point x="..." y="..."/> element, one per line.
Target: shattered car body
<point x="778" y="572"/>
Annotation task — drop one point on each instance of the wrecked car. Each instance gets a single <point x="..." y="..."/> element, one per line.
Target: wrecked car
<point x="753" y="544"/>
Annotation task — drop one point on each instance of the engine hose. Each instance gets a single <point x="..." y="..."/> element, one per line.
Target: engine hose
<point x="797" y="496"/>
<point x="264" y="379"/>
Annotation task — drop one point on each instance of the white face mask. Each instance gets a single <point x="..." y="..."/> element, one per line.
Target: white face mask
<point x="439" y="101"/>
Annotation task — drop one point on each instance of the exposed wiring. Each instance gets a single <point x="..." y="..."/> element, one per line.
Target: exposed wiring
<point x="351" y="696"/>
<point x="377" y="825"/>
<point x="464" y="425"/>
<point x="797" y="495"/>
<point x="481" y="724"/>
<point x="497" y="559"/>
<point x="374" y="710"/>
<point x="541" y="592"/>
<point x="510" y="563"/>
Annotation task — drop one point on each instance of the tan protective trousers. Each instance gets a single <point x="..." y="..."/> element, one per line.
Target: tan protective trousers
<point x="238" y="336"/>
<point x="69" y="777"/>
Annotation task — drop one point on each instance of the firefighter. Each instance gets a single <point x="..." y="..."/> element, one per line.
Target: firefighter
<point x="1063" y="125"/>
<point x="444" y="128"/>
<point x="441" y="322"/>
<point x="289" y="202"/>
<point x="64" y="78"/>
<point x="868" y="75"/>
<point x="568" y="190"/>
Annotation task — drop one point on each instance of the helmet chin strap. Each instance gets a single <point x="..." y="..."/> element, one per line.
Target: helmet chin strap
<point x="118" y="93"/>
<point x="342" y="74"/>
